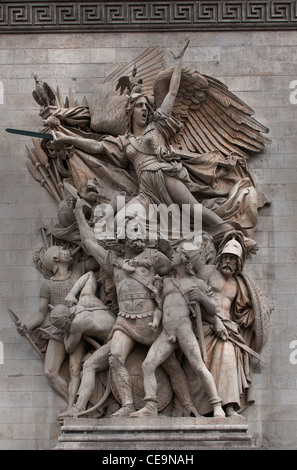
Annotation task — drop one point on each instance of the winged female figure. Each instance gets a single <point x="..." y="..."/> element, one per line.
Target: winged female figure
<point x="189" y="147"/>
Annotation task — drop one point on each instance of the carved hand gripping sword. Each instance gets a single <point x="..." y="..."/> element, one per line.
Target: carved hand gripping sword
<point x="16" y="319"/>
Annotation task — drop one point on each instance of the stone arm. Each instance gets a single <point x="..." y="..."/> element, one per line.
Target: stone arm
<point x="86" y="145"/>
<point x="36" y="320"/>
<point x="157" y="317"/>
<point x="169" y="100"/>
<point x="71" y="298"/>
<point x="88" y="237"/>
<point x="209" y="313"/>
<point x="208" y="303"/>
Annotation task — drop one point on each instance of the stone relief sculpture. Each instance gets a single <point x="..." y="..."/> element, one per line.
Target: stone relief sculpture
<point x="135" y="321"/>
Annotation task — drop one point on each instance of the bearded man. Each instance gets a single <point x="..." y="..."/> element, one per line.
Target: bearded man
<point x="242" y="310"/>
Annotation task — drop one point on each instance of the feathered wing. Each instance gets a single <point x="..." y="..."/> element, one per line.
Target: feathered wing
<point x="107" y="104"/>
<point x="213" y="118"/>
<point x="37" y="98"/>
<point x="50" y="93"/>
<point x="149" y="64"/>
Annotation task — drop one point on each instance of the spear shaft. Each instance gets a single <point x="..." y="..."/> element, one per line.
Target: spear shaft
<point x="16" y="319"/>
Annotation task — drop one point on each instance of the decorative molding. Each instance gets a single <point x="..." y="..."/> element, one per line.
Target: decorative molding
<point x="135" y="16"/>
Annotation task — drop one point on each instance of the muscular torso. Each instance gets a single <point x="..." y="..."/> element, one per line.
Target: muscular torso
<point x="176" y="309"/>
<point x="224" y="288"/>
<point x="96" y="323"/>
<point x="134" y="298"/>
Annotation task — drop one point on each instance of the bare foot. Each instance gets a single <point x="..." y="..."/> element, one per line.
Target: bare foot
<point x="230" y="412"/>
<point x="123" y="412"/>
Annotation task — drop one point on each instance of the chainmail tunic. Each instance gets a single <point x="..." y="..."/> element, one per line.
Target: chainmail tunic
<point x="55" y="291"/>
<point x="150" y="156"/>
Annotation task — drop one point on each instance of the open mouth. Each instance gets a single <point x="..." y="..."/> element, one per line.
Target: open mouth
<point x="91" y="188"/>
<point x="227" y="268"/>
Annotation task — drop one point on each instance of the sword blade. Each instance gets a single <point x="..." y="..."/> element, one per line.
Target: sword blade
<point x="39" y="135"/>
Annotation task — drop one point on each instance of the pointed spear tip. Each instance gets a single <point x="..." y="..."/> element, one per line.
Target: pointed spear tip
<point x="13" y="316"/>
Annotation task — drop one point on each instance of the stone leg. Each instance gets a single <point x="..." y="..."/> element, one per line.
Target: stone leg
<point x="180" y="384"/>
<point x="189" y="346"/>
<point x="122" y="381"/>
<point x="158" y="352"/>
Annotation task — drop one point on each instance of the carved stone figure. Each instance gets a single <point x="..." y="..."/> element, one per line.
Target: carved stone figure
<point x="139" y="303"/>
<point x="66" y="229"/>
<point x="177" y="329"/>
<point x="244" y="314"/>
<point x="86" y="318"/>
<point x="149" y="325"/>
<point x="47" y="337"/>
<point x="147" y="147"/>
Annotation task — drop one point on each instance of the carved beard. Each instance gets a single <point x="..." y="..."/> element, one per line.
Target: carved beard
<point x="136" y="245"/>
<point x="227" y="269"/>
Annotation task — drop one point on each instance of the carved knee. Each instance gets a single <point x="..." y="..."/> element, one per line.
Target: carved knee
<point x="50" y="374"/>
<point x="148" y="367"/>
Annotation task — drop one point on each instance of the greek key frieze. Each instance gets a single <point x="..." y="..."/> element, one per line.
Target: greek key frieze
<point x="35" y="16"/>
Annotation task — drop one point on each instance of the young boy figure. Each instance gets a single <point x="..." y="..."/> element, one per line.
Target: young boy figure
<point x="178" y="332"/>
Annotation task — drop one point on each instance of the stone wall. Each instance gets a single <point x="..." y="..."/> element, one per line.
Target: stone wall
<point x="258" y="67"/>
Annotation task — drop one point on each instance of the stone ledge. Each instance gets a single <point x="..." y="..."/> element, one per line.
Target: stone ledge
<point x="150" y="434"/>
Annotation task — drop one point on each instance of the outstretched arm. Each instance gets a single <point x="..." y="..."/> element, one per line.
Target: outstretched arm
<point x="36" y="320"/>
<point x="87" y="145"/>
<point x="169" y="99"/>
<point x="87" y="235"/>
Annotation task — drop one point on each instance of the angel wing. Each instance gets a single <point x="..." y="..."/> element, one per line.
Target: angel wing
<point x="213" y="118"/>
<point x="107" y="104"/>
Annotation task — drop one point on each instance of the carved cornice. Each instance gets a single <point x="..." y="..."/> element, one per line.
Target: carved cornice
<point x="135" y="16"/>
